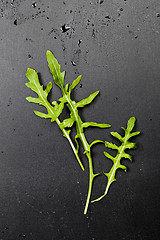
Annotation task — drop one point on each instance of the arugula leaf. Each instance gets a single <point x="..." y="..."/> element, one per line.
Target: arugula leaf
<point x="88" y="100"/>
<point x="53" y="111"/>
<point x="93" y="124"/>
<point x="55" y="68"/>
<point x="75" y="83"/>
<point x="126" y="144"/>
<point x="34" y="84"/>
<point x="67" y="123"/>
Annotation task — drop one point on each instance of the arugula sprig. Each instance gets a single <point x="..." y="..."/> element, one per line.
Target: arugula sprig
<point x="54" y="110"/>
<point x="58" y="77"/>
<point x="125" y="144"/>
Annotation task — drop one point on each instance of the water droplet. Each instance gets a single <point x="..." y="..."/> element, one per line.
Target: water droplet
<point x="93" y="33"/>
<point x="65" y="28"/>
<point x="34" y="5"/>
<point x="79" y="42"/>
<point x="101" y="1"/>
<point x="107" y="16"/>
<point x="73" y="63"/>
<point x="15" y="22"/>
<point x="22" y="235"/>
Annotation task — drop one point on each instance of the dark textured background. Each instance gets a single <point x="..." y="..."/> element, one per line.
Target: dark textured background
<point x="115" y="45"/>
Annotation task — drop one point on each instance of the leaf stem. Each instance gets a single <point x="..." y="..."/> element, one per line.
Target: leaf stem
<point x="91" y="177"/>
<point x="65" y="133"/>
<point x="86" y="146"/>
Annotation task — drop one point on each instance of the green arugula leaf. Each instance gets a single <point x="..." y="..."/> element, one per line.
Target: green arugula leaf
<point x="93" y="124"/>
<point x="66" y="87"/>
<point x="53" y="111"/>
<point x="88" y="100"/>
<point x="67" y="123"/>
<point x="34" y="84"/>
<point x="48" y="88"/>
<point x="35" y="100"/>
<point x="75" y="83"/>
<point x="42" y="115"/>
<point x="117" y="135"/>
<point x="126" y="144"/>
<point x="55" y="68"/>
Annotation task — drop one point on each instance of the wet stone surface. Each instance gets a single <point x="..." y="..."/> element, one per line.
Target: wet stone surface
<point x="114" y="45"/>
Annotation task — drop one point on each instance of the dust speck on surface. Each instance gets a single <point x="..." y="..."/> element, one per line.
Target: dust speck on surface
<point x="9" y="102"/>
<point x="64" y="28"/>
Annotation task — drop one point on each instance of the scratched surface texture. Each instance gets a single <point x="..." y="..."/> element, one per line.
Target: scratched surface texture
<point x="114" y="44"/>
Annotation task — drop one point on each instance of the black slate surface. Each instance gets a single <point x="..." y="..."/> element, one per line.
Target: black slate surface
<point x="115" y="46"/>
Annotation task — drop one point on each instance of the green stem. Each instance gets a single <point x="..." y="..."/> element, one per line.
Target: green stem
<point x="101" y="197"/>
<point x="91" y="177"/>
<point x="65" y="133"/>
<point x="86" y="148"/>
